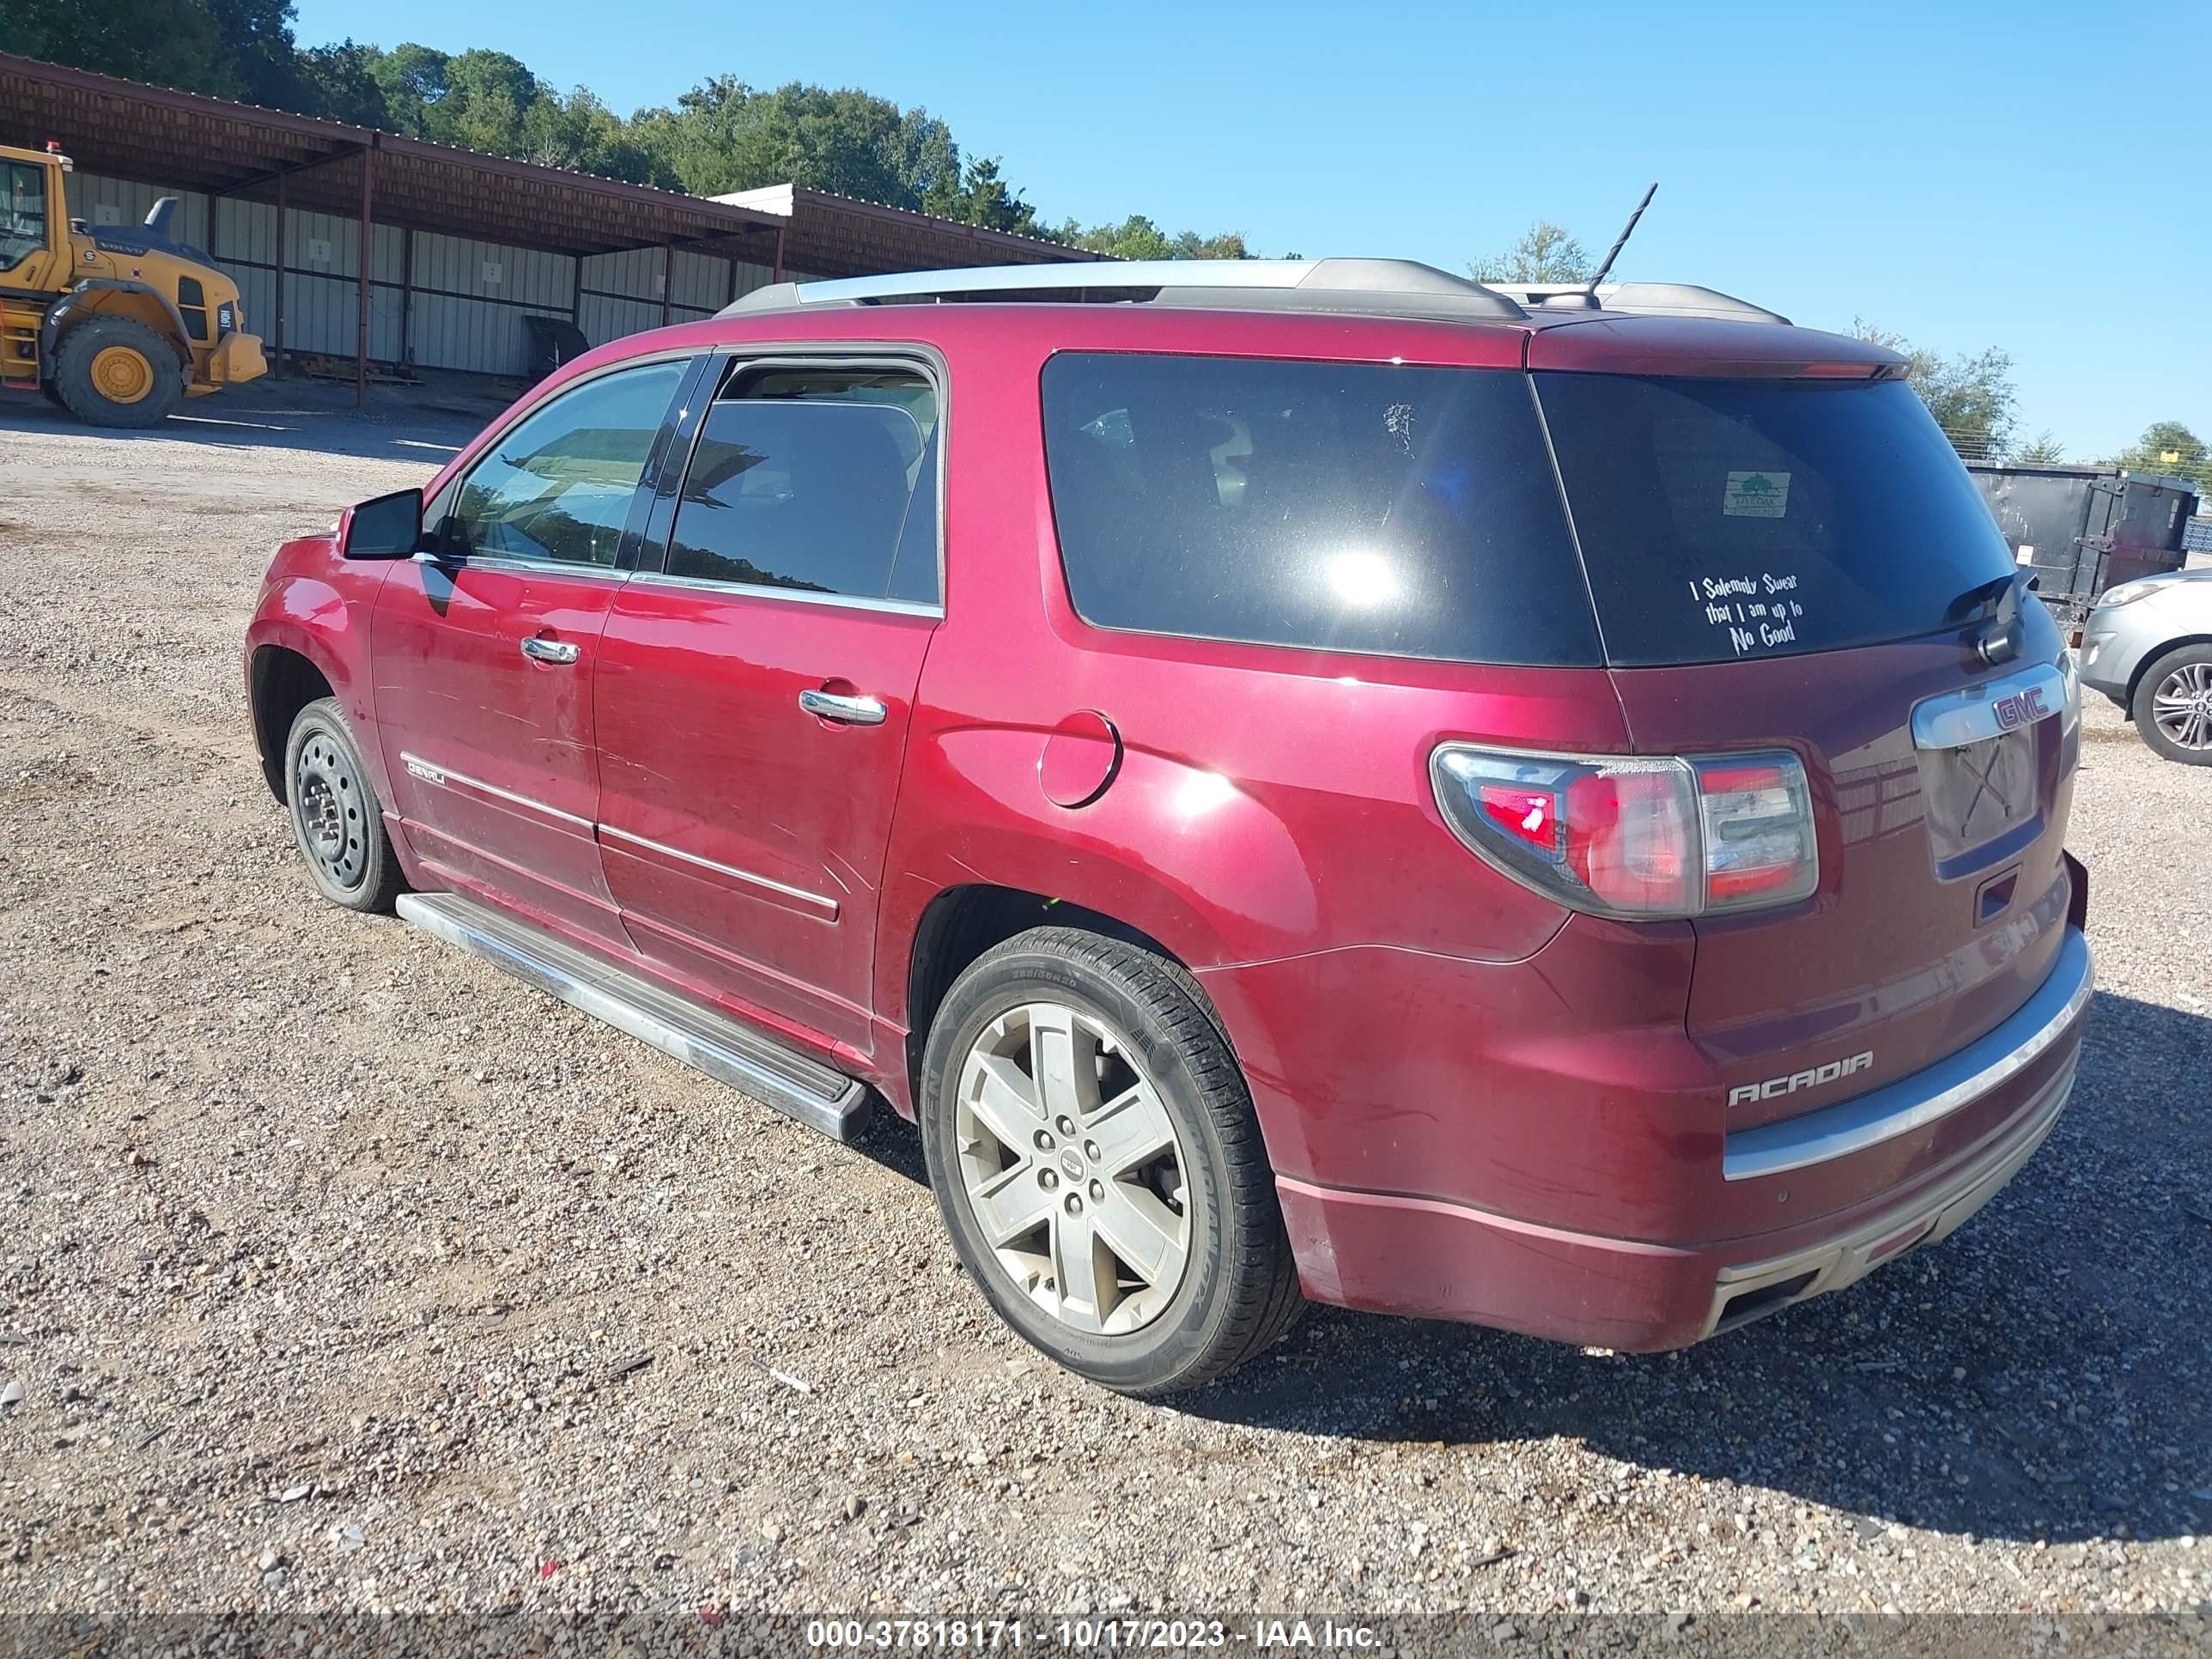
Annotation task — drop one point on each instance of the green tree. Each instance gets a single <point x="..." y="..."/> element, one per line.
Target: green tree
<point x="2042" y="449"/>
<point x="724" y="135"/>
<point x="2167" y="449"/>
<point x="1546" y="253"/>
<point x="1137" y="238"/>
<point x="413" y="78"/>
<point x="339" y="83"/>
<point x="172" y="43"/>
<point x="985" y="199"/>
<point x="259" y="50"/>
<point x="1972" y="397"/>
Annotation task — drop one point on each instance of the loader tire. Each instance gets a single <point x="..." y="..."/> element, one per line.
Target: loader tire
<point x="115" y="371"/>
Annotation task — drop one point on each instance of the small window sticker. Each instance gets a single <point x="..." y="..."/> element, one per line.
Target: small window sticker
<point x="1756" y="496"/>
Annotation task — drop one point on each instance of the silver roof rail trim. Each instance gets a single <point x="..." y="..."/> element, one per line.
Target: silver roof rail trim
<point x="1640" y="300"/>
<point x="1390" y="286"/>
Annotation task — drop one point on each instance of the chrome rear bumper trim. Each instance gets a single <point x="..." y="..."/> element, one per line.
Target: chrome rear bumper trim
<point x="1835" y="1263"/>
<point x="1915" y="1102"/>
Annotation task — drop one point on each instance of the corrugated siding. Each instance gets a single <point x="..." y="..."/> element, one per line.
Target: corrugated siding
<point x="603" y="319"/>
<point x="475" y="334"/>
<point x="451" y="265"/>
<point x="322" y="314"/>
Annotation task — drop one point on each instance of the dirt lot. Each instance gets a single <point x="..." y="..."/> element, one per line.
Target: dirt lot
<point x="340" y="1272"/>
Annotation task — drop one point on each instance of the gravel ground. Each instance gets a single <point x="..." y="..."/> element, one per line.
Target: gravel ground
<point x="341" y="1272"/>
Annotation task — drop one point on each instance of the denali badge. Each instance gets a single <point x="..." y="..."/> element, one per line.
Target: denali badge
<point x="1776" y="1087"/>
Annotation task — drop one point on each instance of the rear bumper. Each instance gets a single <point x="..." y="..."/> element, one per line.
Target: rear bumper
<point x="1970" y="1123"/>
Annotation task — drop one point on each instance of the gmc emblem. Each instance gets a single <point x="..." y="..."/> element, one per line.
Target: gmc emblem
<point x="1819" y="1076"/>
<point x="2020" y="708"/>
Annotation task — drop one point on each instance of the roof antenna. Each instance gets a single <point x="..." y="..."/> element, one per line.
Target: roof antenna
<point x="1621" y="241"/>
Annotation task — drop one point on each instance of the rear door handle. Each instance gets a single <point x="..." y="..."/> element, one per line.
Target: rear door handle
<point x="553" y="651"/>
<point x="851" y="711"/>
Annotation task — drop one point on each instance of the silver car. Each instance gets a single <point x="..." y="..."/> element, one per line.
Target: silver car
<point x="2148" y="645"/>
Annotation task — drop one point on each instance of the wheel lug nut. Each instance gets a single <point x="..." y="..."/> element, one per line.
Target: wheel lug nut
<point x="1048" y="1178"/>
<point x="1074" y="1203"/>
<point x="1091" y="1151"/>
<point x="1044" y="1140"/>
<point x="1098" y="1192"/>
<point x="1066" y="1127"/>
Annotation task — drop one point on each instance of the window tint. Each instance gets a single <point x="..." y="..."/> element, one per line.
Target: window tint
<point x="1726" y="519"/>
<point x="816" y="482"/>
<point x="558" y="486"/>
<point x="1340" y="506"/>
<point x="23" y="211"/>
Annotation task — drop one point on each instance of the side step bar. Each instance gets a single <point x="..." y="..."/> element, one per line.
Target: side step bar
<point x="683" y="1030"/>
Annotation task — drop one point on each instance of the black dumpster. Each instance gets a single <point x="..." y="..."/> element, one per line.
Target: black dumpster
<point x="2083" y="529"/>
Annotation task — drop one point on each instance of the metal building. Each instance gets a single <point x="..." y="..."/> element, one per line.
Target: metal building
<point x="462" y="246"/>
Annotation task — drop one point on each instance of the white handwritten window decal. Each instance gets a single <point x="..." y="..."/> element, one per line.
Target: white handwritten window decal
<point x="1756" y="611"/>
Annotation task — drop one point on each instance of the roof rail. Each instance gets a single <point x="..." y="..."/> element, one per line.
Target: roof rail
<point x="1395" y="287"/>
<point x="1639" y="299"/>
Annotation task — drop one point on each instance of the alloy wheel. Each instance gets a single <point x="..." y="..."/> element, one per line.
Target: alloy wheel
<point x="1072" y="1169"/>
<point x="2182" y="706"/>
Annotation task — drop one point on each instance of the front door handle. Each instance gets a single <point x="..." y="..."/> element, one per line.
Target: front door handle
<point x="553" y="651"/>
<point x="850" y="711"/>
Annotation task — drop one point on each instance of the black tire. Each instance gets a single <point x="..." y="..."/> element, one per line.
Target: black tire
<point x="80" y="393"/>
<point x="2180" y="662"/>
<point x="51" y="393"/>
<point x="1239" y="1292"/>
<point x="337" y="821"/>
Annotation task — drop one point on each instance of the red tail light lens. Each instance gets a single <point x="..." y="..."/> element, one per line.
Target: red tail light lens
<point x="1632" y="837"/>
<point x="1629" y="842"/>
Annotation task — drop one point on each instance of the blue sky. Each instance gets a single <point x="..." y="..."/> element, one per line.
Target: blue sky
<point x="2026" y="176"/>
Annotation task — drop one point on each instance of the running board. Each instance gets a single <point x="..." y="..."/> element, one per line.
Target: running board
<point x="683" y="1030"/>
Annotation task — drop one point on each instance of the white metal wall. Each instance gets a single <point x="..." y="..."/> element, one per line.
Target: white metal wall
<point x="458" y="304"/>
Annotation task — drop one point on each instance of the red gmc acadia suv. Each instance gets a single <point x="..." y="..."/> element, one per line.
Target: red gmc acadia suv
<point x="1307" y="778"/>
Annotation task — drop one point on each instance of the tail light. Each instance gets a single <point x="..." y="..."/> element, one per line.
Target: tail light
<point x="1633" y="837"/>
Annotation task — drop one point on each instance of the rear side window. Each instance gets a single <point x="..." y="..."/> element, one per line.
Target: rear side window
<point x="1340" y="506"/>
<point x="815" y="482"/>
<point x="1727" y="518"/>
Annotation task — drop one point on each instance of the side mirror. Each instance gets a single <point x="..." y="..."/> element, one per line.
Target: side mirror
<point x="389" y="527"/>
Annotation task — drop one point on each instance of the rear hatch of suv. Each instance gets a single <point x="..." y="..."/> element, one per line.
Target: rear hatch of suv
<point x="1796" y="562"/>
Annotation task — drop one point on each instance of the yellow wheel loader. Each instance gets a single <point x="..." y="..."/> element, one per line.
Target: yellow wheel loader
<point x="117" y="326"/>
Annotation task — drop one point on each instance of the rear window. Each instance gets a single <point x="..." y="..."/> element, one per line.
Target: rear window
<point x="1728" y="519"/>
<point x="1377" y="509"/>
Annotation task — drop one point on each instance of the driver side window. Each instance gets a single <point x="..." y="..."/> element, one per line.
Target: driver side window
<point x="557" y="486"/>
